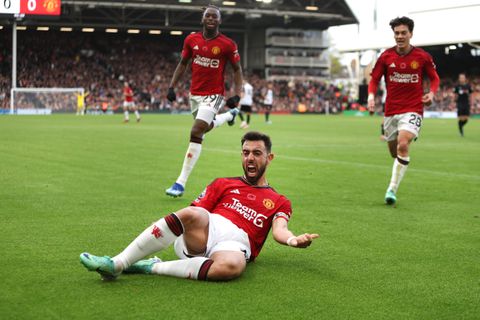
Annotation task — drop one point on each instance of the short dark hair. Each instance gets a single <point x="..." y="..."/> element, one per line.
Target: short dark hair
<point x="402" y="21"/>
<point x="211" y="6"/>
<point x="258" y="136"/>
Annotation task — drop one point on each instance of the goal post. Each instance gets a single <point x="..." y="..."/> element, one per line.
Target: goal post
<point x="46" y="100"/>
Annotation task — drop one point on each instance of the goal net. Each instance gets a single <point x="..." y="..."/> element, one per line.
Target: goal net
<point x="46" y="100"/>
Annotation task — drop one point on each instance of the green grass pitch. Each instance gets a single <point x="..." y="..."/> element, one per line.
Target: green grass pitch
<point x="72" y="184"/>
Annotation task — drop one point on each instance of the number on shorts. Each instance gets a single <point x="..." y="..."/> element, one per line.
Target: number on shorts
<point x="416" y="120"/>
<point x="214" y="100"/>
<point x="7" y="4"/>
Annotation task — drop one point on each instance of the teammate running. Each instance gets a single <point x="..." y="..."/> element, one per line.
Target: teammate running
<point x="208" y="51"/>
<point x="403" y="67"/>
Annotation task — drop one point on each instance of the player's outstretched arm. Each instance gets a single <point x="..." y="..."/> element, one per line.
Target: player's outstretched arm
<point x="282" y="235"/>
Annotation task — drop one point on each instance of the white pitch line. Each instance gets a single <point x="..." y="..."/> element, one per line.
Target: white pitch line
<point x="364" y="165"/>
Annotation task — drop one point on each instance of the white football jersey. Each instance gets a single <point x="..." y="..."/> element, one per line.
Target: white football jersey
<point x="247" y="99"/>
<point x="268" y="97"/>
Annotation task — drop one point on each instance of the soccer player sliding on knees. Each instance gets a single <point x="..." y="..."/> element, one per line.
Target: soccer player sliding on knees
<point x="222" y="230"/>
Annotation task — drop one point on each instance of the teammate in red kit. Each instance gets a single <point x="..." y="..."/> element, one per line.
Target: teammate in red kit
<point x="128" y="102"/>
<point x="222" y="230"/>
<point x="403" y="67"/>
<point x="208" y="51"/>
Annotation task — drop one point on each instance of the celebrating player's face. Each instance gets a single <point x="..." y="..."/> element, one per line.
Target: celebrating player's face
<point x="211" y="19"/>
<point x="402" y="36"/>
<point x="255" y="159"/>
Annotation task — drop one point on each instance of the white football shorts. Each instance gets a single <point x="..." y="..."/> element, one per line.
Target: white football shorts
<point x="223" y="235"/>
<point x="410" y="121"/>
<point x="128" y="104"/>
<point x="206" y="107"/>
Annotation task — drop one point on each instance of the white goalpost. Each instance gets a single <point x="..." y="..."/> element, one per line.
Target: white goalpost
<point x="45" y="100"/>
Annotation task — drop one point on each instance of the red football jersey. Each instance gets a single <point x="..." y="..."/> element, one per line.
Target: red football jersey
<point x="250" y="208"/>
<point x="404" y="76"/>
<point x="128" y="93"/>
<point x="209" y="58"/>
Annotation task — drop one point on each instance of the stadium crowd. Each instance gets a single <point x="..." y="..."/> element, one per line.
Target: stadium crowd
<point x="101" y="64"/>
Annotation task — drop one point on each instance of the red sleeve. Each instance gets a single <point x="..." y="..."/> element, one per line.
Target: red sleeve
<point x="431" y="72"/>
<point x="233" y="56"/>
<point x="284" y="211"/>
<point x="187" y="48"/>
<point x="376" y="74"/>
<point x="209" y="197"/>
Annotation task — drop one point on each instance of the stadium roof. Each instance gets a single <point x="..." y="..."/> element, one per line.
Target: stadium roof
<point x="237" y="16"/>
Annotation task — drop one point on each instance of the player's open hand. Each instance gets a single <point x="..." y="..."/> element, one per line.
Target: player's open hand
<point x="427" y="98"/>
<point x="171" y="96"/>
<point x="302" y="241"/>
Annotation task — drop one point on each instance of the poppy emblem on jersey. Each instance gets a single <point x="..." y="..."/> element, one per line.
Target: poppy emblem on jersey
<point x="251" y="197"/>
<point x="216" y="50"/>
<point x="204" y="48"/>
<point x="269" y="204"/>
<point x="403" y="65"/>
<point x="414" y="64"/>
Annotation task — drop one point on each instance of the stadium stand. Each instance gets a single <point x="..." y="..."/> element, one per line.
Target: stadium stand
<point x="100" y="63"/>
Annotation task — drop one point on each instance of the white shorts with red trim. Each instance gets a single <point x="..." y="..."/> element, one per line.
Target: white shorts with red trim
<point x="223" y="235"/>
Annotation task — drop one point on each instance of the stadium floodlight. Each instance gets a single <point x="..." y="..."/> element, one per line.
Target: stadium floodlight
<point x="185" y="1"/>
<point x="154" y="31"/>
<point x="45" y="100"/>
<point x="176" y="33"/>
<point x="311" y="8"/>
<point x="21" y="28"/>
<point x="111" y="30"/>
<point x="229" y="3"/>
<point x="66" y="29"/>
<point x="133" y="31"/>
<point x="88" y="29"/>
<point x="43" y="28"/>
<point x="1" y="27"/>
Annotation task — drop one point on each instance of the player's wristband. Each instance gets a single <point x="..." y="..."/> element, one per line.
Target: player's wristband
<point x="289" y="241"/>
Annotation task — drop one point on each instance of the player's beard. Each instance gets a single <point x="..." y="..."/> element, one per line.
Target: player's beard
<point x="253" y="180"/>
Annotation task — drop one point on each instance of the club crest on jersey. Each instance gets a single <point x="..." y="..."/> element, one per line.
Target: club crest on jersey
<point x="414" y="64"/>
<point x="216" y="50"/>
<point x="269" y="204"/>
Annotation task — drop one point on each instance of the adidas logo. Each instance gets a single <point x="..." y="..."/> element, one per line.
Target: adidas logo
<point x="195" y="48"/>
<point x="235" y="191"/>
<point x="392" y="65"/>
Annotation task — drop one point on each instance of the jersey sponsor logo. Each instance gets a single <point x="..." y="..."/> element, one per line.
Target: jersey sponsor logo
<point x="269" y="204"/>
<point x="392" y="65"/>
<point x="216" y="50"/>
<point x="404" y="77"/>
<point x="195" y="47"/>
<point x="235" y="191"/>
<point x="206" y="62"/>
<point x="246" y="212"/>
<point x="414" y="65"/>
<point x="157" y="233"/>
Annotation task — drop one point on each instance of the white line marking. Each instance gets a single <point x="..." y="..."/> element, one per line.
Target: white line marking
<point x="364" y="165"/>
